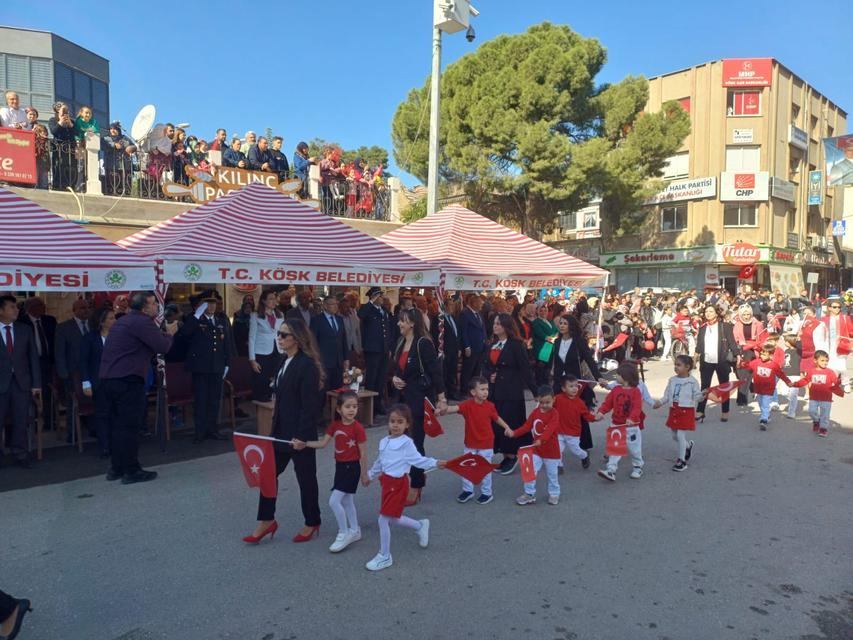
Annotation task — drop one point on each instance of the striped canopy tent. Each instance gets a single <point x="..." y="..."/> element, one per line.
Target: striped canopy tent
<point x="257" y="235"/>
<point x="475" y="254"/>
<point x="42" y="251"/>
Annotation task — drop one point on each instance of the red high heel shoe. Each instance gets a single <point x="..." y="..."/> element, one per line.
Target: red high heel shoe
<point x="250" y="539"/>
<point x="315" y="532"/>
<point x="411" y="502"/>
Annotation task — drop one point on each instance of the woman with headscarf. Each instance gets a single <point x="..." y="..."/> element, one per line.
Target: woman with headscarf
<point x="747" y="332"/>
<point x="544" y="332"/>
<point x="301" y="165"/>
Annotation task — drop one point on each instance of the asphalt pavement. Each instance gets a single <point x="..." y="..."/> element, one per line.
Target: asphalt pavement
<point x="754" y="540"/>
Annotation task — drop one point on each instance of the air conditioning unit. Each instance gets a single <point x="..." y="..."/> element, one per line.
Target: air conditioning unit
<point x="568" y="232"/>
<point x="814" y="241"/>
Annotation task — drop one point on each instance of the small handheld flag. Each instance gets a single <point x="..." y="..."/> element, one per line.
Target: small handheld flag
<point x="471" y="467"/>
<point x="617" y="441"/>
<point x="432" y="427"/>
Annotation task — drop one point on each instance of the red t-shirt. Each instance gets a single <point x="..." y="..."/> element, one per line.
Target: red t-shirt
<point x="571" y="410"/>
<point x="478" y="424"/>
<point x="626" y="404"/>
<point x="764" y="375"/>
<point x="403" y="361"/>
<point x="544" y="427"/>
<point x="822" y="384"/>
<point x="347" y="438"/>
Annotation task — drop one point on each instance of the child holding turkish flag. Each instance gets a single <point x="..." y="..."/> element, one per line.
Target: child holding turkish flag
<point x="766" y="370"/>
<point x="681" y="394"/>
<point x="572" y="410"/>
<point x="626" y="402"/>
<point x="544" y="423"/>
<point x="822" y="382"/>
<point x="479" y="415"/>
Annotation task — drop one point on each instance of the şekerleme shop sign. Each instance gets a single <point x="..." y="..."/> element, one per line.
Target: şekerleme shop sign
<point x="642" y="258"/>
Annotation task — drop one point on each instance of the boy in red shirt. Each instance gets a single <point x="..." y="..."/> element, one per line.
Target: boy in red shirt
<point x="572" y="409"/>
<point x="544" y="422"/>
<point x="822" y="382"/>
<point x="479" y="415"/>
<point x="766" y="370"/>
<point x="626" y="402"/>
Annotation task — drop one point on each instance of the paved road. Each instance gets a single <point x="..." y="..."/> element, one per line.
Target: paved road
<point x="753" y="541"/>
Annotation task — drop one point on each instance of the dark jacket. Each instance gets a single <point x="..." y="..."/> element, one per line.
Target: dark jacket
<point x="230" y="158"/>
<point x="68" y="337"/>
<point x="23" y="365"/>
<point x="48" y="327"/>
<point x="472" y="331"/>
<point x="513" y="375"/>
<point x="376" y="334"/>
<point x="116" y="160"/>
<point x="724" y="344"/>
<point x="451" y="336"/>
<point x="210" y="345"/>
<point x="422" y="353"/>
<point x="279" y="162"/>
<point x="132" y="342"/>
<point x="298" y="400"/>
<point x="91" y="350"/>
<point x="332" y="343"/>
<point x="257" y="158"/>
<point x="578" y="352"/>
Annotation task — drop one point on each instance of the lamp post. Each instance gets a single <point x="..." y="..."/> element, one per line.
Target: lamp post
<point x="450" y="16"/>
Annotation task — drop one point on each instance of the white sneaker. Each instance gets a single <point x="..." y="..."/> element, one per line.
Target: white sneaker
<point x="552" y="500"/>
<point x="379" y="563"/>
<point x="342" y="541"/>
<point x="423" y="533"/>
<point x="607" y="475"/>
<point x="637" y="473"/>
<point x="355" y="535"/>
<point x="774" y="406"/>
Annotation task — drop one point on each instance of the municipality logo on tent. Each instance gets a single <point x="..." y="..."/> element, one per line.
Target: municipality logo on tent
<point x="460" y="280"/>
<point x="418" y="277"/>
<point x="115" y="279"/>
<point x="192" y="272"/>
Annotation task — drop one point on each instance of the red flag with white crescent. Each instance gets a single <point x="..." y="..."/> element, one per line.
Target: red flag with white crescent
<point x="471" y="467"/>
<point x="618" y="342"/>
<point x="617" y="441"/>
<point x="525" y="460"/>
<point x="257" y="459"/>
<point x="432" y="427"/>
<point x="721" y="392"/>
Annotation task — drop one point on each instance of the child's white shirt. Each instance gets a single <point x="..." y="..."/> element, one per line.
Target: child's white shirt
<point x="682" y="392"/>
<point x="396" y="456"/>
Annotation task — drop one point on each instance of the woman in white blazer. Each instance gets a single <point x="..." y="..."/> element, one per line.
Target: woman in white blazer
<point x="263" y="350"/>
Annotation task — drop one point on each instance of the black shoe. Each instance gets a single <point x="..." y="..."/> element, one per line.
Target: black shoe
<point x="585" y="462"/>
<point x="23" y="608"/>
<point x="146" y="433"/>
<point x="463" y="497"/>
<point x="138" y="476"/>
<point x="25" y="462"/>
<point x="112" y="474"/>
<point x="689" y="451"/>
<point x="762" y="424"/>
<point x="680" y="465"/>
<point x="215" y="435"/>
<point x="508" y="465"/>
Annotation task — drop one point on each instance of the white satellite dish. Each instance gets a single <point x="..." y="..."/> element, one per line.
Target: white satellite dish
<point x="182" y="125"/>
<point x="143" y="123"/>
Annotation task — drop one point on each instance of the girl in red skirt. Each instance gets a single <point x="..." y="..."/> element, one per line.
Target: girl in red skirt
<point x="397" y="453"/>
<point x="682" y="393"/>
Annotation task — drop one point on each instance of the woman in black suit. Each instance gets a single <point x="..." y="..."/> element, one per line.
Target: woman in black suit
<point x="570" y="349"/>
<point x="91" y="350"/>
<point x="507" y="369"/>
<point x="715" y="359"/>
<point x="298" y="401"/>
<point x="417" y="375"/>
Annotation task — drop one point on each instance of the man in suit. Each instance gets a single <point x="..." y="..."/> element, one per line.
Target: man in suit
<point x="328" y="329"/>
<point x="303" y="310"/>
<point x="67" y="355"/>
<point x="472" y="339"/>
<point x="451" y="349"/>
<point x="209" y="352"/>
<point x="44" y="331"/>
<point x="376" y="343"/>
<point x="20" y="373"/>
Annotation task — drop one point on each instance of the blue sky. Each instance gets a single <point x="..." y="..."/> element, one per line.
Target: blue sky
<point x="338" y="69"/>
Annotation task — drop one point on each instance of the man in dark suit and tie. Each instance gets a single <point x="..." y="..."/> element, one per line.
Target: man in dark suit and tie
<point x="328" y="329"/>
<point x="20" y="377"/>
<point x="69" y="334"/>
<point x="376" y="343"/>
<point x="472" y="339"/>
<point x="44" y="331"/>
<point x="451" y="350"/>
<point x="303" y="311"/>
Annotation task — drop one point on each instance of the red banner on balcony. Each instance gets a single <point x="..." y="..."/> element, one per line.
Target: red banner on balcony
<point x="18" y="156"/>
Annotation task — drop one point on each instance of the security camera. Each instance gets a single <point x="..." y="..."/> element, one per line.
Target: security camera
<point x="470" y="35"/>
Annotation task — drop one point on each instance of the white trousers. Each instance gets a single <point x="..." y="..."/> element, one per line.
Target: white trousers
<point x="635" y="450"/>
<point x="551" y="468"/>
<point x="486" y="484"/>
<point x="792" y="393"/>
<point x="667" y="345"/>
<point x="819" y="412"/>
<point x="573" y="444"/>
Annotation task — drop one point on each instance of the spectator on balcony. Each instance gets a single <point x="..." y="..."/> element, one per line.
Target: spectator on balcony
<point x="233" y="157"/>
<point x="260" y="158"/>
<point x="83" y="125"/>
<point x="301" y="164"/>
<point x="220" y="143"/>
<point x="332" y="181"/>
<point x="42" y="156"/>
<point x="12" y="116"/>
<point x="32" y="117"/>
<point x="279" y="160"/>
<point x="63" y="162"/>
<point x="180" y="161"/>
<point x="200" y="161"/>
<point x="118" y="164"/>
<point x="251" y="139"/>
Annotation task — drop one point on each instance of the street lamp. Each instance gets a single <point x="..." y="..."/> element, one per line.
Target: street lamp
<point x="451" y="16"/>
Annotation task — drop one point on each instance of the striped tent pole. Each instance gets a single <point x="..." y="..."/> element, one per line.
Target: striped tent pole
<point x="442" y="279"/>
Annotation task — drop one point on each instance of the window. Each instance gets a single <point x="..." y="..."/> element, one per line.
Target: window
<point x="795" y="114"/>
<point x="745" y="158"/>
<point x="82" y="90"/>
<point x="815" y="133"/>
<point x="739" y="215"/>
<point x="829" y="131"/>
<point x="568" y="220"/>
<point x="673" y="218"/>
<point x="590" y="218"/>
<point x="677" y="166"/>
<point x="99" y="95"/>
<point x="792" y="220"/>
<point x="64" y="83"/>
<point x="794" y="167"/>
<point x="744" y="103"/>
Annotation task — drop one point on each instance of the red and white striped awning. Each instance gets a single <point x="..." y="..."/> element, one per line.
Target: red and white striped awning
<point x="259" y="235"/>
<point x="476" y="253"/>
<point x="42" y="251"/>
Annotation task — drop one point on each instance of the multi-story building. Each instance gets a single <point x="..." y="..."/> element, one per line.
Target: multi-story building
<point x="739" y="184"/>
<point x="42" y="67"/>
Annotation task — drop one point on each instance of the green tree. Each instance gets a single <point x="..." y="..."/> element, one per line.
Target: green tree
<point x="526" y="132"/>
<point x="415" y="211"/>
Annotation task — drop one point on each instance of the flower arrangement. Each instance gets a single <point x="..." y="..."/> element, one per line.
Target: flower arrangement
<point x="353" y="378"/>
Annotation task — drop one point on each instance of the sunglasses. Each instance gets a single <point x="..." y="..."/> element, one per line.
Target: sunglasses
<point x="284" y="334"/>
<point x="835" y="306"/>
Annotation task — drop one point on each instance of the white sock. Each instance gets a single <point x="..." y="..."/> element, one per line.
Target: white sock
<point x="335" y="502"/>
<point x="352" y="515"/>
<point x="384" y="536"/>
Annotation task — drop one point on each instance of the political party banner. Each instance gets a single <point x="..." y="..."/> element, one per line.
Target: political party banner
<point x="815" y="187"/>
<point x="512" y="282"/>
<point x="75" y="278"/>
<point x="260" y="273"/>
<point x="18" y="156"/>
<point x="839" y="161"/>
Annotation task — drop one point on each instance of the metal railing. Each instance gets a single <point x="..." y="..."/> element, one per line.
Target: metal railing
<point x="356" y="199"/>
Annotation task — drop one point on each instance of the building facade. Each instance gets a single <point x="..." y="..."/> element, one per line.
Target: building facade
<point x="42" y="67"/>
<point x="740" y="185"/>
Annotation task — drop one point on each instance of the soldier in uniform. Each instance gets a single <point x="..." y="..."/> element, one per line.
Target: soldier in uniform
<point x="376" y="339"/>
<point x="210" y="348"/>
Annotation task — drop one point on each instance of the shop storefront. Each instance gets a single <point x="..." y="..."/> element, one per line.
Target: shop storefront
<point x="665" y="268"/>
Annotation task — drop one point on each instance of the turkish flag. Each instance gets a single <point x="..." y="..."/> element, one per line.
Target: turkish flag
<point x="845" y="346"/>
<point x="618" y="342"/>
<point x="471" y="467"/>
<point x="721" y="392"/>
<point x="617" y="441"/>
<point x="257" y="458"/>
<point x="525" y="459"/>
<point x="746" y="272"/>
<point x="758" y="342"/>
<point x="432" y="427"/>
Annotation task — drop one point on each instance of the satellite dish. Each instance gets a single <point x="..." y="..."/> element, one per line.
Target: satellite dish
<point x="182" y="125"/>
<point x="143" y="122"/>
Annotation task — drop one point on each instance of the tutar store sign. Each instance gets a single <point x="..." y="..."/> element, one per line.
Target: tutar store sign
<point x="259" y="273"/>
<point x="748" y="72"/>
<point x="741" y="254"/>
<point x="74" y="278"/>
<point x="18" y="156"/>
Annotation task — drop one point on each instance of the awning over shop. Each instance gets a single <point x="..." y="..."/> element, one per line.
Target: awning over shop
<point x="261" y="236"/>
<point x="476" y="253"/>
<point x="42" y="251"/>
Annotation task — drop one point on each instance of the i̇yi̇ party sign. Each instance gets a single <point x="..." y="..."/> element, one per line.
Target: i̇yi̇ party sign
<point x="18" y="156"/>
